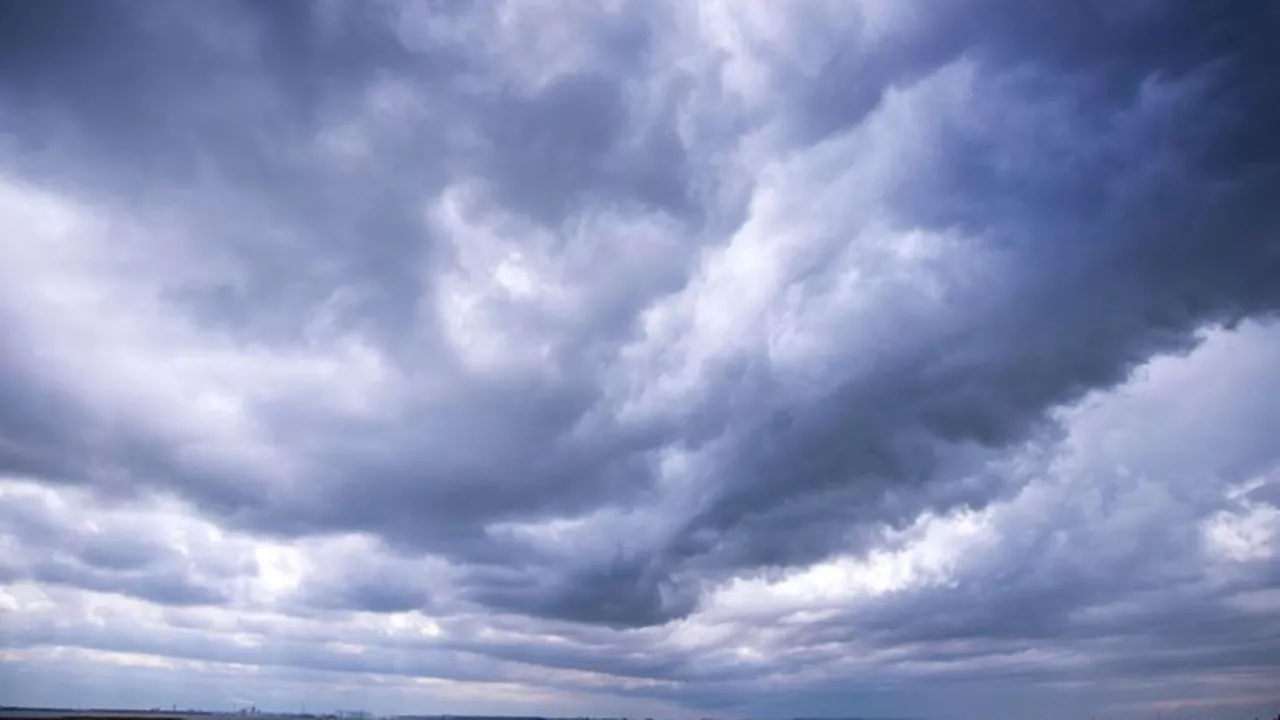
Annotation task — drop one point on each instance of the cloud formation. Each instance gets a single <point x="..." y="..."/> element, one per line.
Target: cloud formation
<point x="643" y="357"/>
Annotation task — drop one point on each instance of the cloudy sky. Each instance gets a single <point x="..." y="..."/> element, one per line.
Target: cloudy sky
<point x="667" y="357"/>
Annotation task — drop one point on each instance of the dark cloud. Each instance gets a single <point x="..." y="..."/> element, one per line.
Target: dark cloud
<point x="576" y="318"/>
<point x="164" y="588"/>
<point x="622" y="593"/>
<point x="371" y="582"/>
<point x="1145" y="234"/>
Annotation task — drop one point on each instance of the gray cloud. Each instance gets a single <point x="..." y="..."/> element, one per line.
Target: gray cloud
<point x="49" y="543"/>
<point x="578" y="317"/>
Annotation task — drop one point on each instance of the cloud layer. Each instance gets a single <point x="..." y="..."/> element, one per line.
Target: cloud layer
<point x="656" y="358"/>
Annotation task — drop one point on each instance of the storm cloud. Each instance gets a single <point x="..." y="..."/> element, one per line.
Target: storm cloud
<point x="643" y="357"/>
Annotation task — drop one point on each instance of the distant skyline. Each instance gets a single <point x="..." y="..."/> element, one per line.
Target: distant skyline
<point x="645" y="358"/>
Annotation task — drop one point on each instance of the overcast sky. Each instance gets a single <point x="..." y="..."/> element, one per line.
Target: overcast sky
<point x="667" y="357"/>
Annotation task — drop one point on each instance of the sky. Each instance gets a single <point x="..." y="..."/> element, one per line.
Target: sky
<point x="669" y="358"/>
